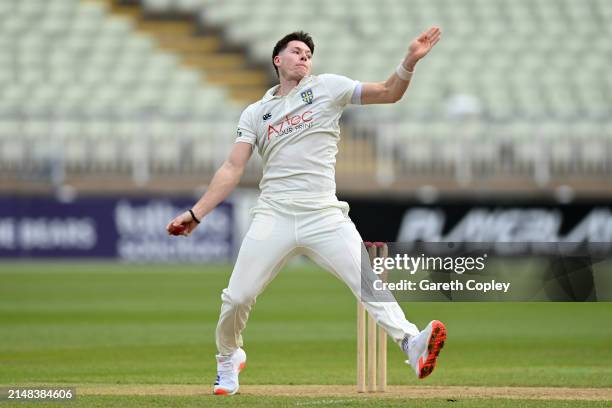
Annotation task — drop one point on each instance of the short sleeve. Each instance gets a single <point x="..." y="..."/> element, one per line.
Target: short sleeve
<point x="246" y="131"/>
<point x="341" y="88"/>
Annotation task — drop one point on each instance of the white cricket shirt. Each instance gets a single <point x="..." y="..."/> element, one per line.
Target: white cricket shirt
<point x="297" y="135"/>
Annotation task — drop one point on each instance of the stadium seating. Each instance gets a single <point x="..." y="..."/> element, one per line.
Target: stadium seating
<point x="516" y="56"/>
<point x="78" y="81"/>
<point x="522" y="81"/>
<point x="539" y="68"/>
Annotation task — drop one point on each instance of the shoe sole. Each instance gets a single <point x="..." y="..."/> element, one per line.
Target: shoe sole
<point x="222" y="391"/>
<point x="434" y="345"/>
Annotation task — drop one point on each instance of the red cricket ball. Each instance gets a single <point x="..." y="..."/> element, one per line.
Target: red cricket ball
<point x="176" y="229"/>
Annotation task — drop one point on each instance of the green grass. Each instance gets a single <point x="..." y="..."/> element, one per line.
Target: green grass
<point x="266" y="402"/>
<point x="143" y="324"/>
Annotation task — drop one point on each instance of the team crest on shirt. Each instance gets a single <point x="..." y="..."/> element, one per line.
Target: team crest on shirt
<point x="307" y="96"/>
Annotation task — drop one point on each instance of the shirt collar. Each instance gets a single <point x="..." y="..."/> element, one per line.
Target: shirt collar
<point x="270" y="92"/>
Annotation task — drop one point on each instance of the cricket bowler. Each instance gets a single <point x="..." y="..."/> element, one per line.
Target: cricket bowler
<point x="295" y="129"/>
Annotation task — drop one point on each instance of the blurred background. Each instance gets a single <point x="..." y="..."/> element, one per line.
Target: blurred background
<point x="114" y="115"/>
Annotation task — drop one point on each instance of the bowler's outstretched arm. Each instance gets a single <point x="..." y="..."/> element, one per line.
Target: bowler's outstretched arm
<point x="394" y="88"/>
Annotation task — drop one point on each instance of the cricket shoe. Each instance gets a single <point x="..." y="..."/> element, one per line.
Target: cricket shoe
<point x="228" y="369"/>
<point x="424" y="348"/>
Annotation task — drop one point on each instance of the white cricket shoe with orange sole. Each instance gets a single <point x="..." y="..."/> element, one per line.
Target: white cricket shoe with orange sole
<point x="424" y="348"/>
<point x="228" y="369"/>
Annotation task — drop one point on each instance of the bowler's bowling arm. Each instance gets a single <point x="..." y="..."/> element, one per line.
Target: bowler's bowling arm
<point x="225" y="179"/>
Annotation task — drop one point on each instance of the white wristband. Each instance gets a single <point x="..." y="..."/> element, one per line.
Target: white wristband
<point x="403" y="73"/>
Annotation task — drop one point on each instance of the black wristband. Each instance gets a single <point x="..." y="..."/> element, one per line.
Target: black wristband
<point x="193" y="216"/>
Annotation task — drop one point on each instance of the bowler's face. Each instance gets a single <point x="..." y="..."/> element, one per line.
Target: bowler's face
<point x="295" y="61"/>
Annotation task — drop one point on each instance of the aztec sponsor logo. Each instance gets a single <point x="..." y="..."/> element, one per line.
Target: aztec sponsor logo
<point x="291" y="124"/>
<point x="307" y="96"/>
<point x="505" y="225"/>
<point x="267" y="116"/>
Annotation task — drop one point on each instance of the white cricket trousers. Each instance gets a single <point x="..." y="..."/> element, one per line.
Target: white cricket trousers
<point x="281" y="229"/>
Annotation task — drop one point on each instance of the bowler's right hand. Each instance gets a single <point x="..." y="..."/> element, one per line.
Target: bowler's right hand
<point x="183" y="224"/>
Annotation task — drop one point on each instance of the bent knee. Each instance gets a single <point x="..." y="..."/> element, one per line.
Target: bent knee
<point x="238" y="300"/>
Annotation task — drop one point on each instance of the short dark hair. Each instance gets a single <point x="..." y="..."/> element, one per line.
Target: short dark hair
<point x="294" y="36"/>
